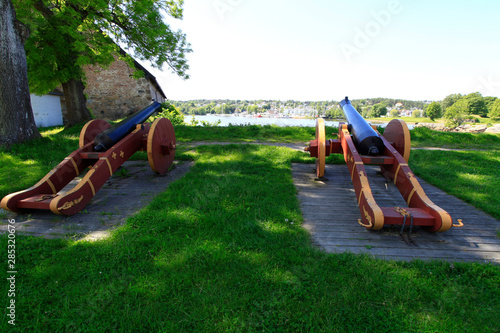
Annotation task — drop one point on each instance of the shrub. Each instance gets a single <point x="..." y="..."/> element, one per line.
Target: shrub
<point x="170" y="112"/>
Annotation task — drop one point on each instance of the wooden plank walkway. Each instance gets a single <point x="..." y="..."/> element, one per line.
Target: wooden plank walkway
<point x="331" y="213"/>
<point x="112" y="205"/>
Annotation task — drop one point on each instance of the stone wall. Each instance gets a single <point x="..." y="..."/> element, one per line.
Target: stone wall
<point x="113" y="93"/>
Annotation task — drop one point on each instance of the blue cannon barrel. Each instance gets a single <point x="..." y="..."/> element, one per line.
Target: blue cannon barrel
<point x="366" y="139"/>
<point x="105" y="140"/>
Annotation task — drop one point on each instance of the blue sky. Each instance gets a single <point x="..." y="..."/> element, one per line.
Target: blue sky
<point x="325" y="50"/>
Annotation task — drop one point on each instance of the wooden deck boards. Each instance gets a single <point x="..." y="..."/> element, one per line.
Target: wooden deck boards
<point x="331" y="213"/>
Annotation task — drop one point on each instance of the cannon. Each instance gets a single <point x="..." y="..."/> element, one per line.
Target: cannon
<point x="102" y="150"/>
<point x="105" y="140"/>
<point x="361" y="144"/>
<point x="365" y="137"/>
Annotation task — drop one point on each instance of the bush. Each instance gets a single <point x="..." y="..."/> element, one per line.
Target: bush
<point x="434" y="111"/>
<point x="471" y="119"/>
<point x="394" y="113"/>
<point x="495" y="109"/>
<point x="454" y="115"/>
<point x="170" y="112"/>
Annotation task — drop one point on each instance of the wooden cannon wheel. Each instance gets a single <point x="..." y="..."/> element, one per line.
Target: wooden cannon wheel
<point x="320" y="138"/>
<point x="161" y="145"/>
<point x="398" y="133"/>
<point x="91" y="129"/>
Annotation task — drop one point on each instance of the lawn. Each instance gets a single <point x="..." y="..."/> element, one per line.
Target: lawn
<point x="24" y="164"/>
<point x="425" y="137"/>
<point x="248" y="133"/>
<point x="222" y="250"/>
<point x="472" y="176"/>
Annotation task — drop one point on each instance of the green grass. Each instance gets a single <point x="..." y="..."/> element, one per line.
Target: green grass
<point x="25" y="164"/>
<point x="485" y="120"/>
<point x="248" y="133"/>
<point x="222" y="250"/>
<point x="425" y="137"/>
<point x="472" y="176"/>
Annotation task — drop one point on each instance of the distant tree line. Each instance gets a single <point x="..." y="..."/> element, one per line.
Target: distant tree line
<point x="454" y="108"/>
<point x="390" y="102"/>
<point x="370" y="107"/>
<point x="457" y="108"/>
<point x="202" y="107"/>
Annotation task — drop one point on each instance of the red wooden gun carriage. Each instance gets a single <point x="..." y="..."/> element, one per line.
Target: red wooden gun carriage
<point x="361" y="144"/>
<point x="103" y="149"/>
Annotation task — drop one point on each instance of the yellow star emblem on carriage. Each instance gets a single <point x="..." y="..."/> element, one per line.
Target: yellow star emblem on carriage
<point x="411" y="176"/>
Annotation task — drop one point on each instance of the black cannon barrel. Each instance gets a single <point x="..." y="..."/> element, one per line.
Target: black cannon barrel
<point x="366" y="139"/>
<point x="105" y="140"/>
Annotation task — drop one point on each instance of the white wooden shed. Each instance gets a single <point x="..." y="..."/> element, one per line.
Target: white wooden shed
<point x="47" y="109"/>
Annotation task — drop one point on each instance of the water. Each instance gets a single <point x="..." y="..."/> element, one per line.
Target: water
<point x="282" y="122"/>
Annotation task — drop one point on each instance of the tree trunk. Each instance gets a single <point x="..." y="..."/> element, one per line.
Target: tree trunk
<point x="17" y="123"/>
<point x="75" y="102"/>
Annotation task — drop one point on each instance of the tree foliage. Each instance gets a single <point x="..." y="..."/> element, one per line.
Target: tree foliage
<point x="417" y="113"/>
<point x="476" y="104"/>
<point x="495" y="109"/>
<point x="489" y="101"/>
<point x="434" y="111"/>
<point x="389" y="102"/>
<point x="69" y="34"/>
<point x="170" y="112"/>
<point x="378" y="110"/>
<point x="450" y="100"/>
<point x="455" y="114"/>
<point x="335" y="113"/>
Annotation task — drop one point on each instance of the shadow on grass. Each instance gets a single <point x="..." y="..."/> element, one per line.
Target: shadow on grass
<point x="223" y="250"/>
<point x="24" y="164"/>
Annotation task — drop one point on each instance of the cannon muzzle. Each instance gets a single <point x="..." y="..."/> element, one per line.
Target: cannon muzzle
<point x="105" y="140"/>
<point x="366" y="139"/>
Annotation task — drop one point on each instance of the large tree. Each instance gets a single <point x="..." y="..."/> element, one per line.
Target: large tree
<point x="489" y="101"/>
<point x="450" y="100"/>
<point x="378" y="110"/>
<point x="434" y="111"/>
<point x="17" y="123"/>
<point x="69" y="34"/>
<point x="495" y="109"/>
<point x="476" y="104"/>
<point x="455" y="114"/>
